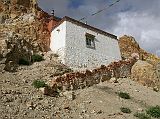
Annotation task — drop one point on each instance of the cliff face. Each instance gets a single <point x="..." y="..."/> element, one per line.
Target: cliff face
<point x="26" y="18"/>
<point x="14" y="8"/>
<point x="26" y="24"/>
<point x="129" y="46"/>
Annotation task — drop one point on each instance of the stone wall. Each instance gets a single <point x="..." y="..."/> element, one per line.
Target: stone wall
<point x="80" y="56"/>
<point x="80" y="80"/>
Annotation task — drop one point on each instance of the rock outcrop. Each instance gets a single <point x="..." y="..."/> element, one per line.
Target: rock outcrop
<point x="26" y="18"/>
<point x="147" y="70"/>
<point x="129" y="46"/>
<point x="18" y="47"/>
<point x="145" y="73"/>
<point x="158" y="70"/>
<point x="28" y="23"/>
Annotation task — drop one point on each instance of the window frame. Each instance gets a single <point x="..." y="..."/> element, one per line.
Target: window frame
<point x="90" y="41"/>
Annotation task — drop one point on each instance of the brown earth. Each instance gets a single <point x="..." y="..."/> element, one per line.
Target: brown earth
<point x="19" y="99"/>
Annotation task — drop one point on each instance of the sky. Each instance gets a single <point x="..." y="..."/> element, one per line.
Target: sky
<point x="138" y="18"/>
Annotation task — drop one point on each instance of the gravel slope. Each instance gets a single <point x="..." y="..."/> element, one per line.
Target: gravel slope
<point x="20" y="100"/>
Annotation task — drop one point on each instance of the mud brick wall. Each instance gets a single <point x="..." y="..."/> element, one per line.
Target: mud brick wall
<point x="80" y="80"/>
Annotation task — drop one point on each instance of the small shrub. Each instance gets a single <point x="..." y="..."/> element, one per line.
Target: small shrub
<point x="37" y="58"/>
<point x="125" y="110"/>
<point x="55" y="55"/>
<point x="58" y="73"/>
<point x="124" y="95"/>
<point x="61" y="71"/>
<point x="154" y="111"/>
<point x="23" y="61"/>
<point x="156" y="89"/>
<point x="142" y="116"/>
<point x="39" y="84"/>
<point x="67" y="70"/>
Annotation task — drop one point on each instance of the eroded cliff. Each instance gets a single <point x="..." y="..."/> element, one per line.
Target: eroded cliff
<point x="22" y="21"/>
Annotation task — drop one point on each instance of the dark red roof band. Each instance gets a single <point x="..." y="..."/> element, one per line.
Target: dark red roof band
<point x="66" y="18"/>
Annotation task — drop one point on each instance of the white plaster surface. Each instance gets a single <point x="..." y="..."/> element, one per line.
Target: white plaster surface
<point x="58" y="40"/>
<point x="71" y="40"/>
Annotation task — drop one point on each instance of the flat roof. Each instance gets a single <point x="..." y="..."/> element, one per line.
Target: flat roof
<point x="66" y="18"/>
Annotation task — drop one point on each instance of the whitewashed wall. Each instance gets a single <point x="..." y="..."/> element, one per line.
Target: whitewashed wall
<point x="78" y="55"/>
<point x="72" y="38"/>
<point x="58" y="39"/>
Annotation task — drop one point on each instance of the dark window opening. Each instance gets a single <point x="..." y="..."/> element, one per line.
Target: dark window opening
<point x="90" y="41"/>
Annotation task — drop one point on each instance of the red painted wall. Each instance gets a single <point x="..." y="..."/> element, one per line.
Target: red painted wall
<point x="53" y="22"/>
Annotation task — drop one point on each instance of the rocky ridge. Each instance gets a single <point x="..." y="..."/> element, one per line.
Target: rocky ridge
<point x="128" y="46"/>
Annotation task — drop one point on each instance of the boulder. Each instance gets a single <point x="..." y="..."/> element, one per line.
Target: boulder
<point x="16" y="48"/>
<point x="144" y="73"/>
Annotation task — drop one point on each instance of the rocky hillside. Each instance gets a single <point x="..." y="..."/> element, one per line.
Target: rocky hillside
<point x="20" y="99"/>
<point x="23" y="30"/>
<point x="147" y="70"/>
<point x="27" y="19"/>
<point x="129" y="46"/>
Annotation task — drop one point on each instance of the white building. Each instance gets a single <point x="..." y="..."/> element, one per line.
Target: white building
<point x="82" y="46"/>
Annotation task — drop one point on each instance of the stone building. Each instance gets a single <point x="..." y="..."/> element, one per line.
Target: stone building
<point x="82" y="46"/>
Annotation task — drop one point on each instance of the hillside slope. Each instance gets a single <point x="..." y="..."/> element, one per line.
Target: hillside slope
<point x="19" y="99"/>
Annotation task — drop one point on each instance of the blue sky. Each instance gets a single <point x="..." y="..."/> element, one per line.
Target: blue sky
<point x="75" y="3"/>
<point x="139" y="18"/>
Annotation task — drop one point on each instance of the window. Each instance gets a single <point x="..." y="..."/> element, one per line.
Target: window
<point x="90" y="41"/>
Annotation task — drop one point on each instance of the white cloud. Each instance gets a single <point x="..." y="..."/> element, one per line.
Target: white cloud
<point x="158" y="52"/>
<point x="144" y="27"/>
